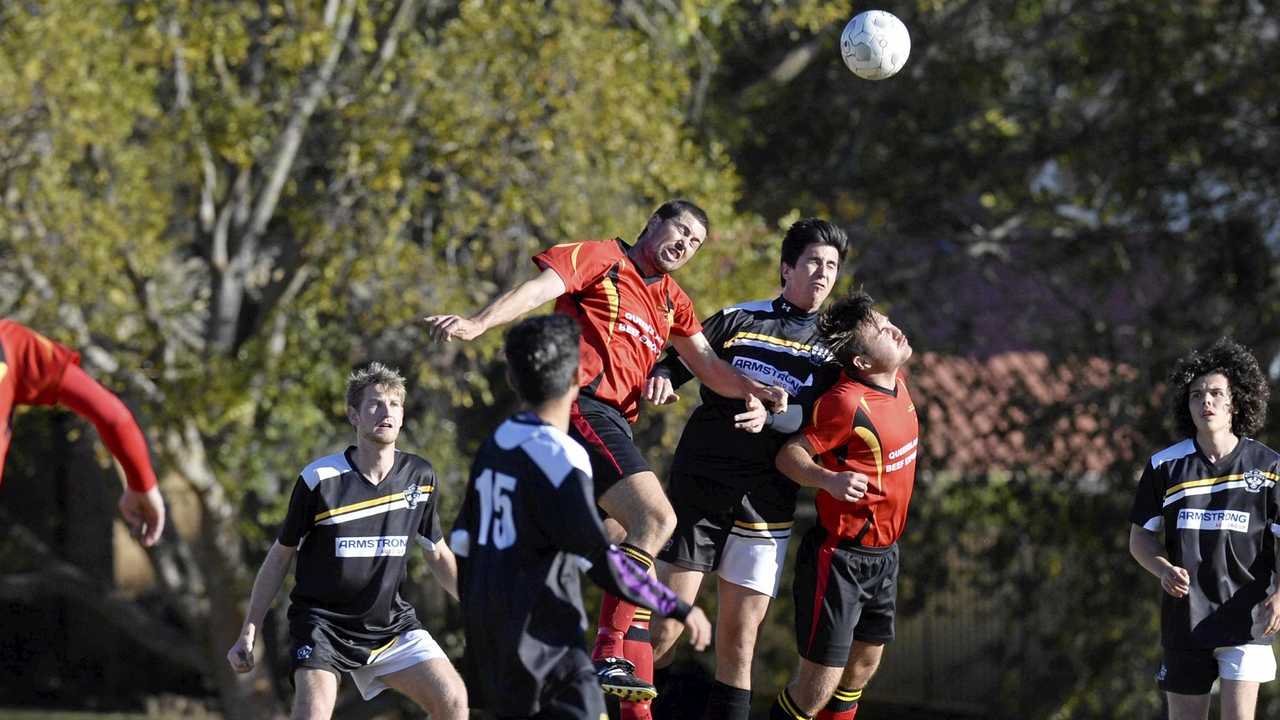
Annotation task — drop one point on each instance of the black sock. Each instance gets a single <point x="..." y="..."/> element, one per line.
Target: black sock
<point x="784" y="708"/>
<point x="726" y="702"/>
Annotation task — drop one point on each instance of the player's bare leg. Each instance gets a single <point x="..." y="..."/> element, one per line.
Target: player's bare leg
<point x="815" y="684"/>
<point x="434" y="685"/>
<point x="1188" y="707"/>
<point x="864" y="658"/>
<point x="315" y="692"/>
<point x="664" y="632"/>
<point x="1239" y="699"/>
<point x="741" y="610"/>
<point x="638" y="503"/>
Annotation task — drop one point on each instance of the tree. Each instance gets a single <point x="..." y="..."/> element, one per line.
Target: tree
<point x="226" y="205"/>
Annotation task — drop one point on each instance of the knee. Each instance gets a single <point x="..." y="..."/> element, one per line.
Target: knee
<point x="450" y="703"/>
<point x="653" y="525"/>
<point x="860" y="672"/>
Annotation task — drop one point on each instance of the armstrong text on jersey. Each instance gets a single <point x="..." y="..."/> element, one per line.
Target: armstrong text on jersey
<point x="391" y="545"/>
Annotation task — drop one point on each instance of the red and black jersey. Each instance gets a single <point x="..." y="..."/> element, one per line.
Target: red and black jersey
<point x="860" y="427"/>
<point x="625" y="318"/>
<point x="31" y="369"/>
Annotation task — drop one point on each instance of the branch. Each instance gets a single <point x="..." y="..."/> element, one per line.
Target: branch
<point x="59" y="578"/>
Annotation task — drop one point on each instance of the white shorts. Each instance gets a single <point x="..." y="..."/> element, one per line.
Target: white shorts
<point x="1248" y="663"/>
<point x="407" y="650"/>
<point x="753" y="560"/>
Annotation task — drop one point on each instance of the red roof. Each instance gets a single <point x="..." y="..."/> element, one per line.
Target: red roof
<point x="1018" y="410"/>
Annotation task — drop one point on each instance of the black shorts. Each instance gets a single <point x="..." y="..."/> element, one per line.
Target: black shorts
<point x="843" y="592"/>
<point x="1191" y="671"/>
<point x="318" y="645"/>
<point x="606" y="435"/>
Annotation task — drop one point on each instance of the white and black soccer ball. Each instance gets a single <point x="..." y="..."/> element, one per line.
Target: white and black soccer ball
<point x="875" y="45"/>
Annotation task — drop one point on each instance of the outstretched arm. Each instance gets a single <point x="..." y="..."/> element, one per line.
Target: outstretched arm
<point x="141" y="504"/>
<point x="722" y="377"/>
<point x="265" y="587"/>
<point x="507" y="307"/>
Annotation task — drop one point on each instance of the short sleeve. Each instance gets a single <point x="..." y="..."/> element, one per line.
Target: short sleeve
<point x="578" y="264"/>
<point x="1147" y="511"/>
<point x="429" y="527"/>
<point x="684" y="320"/>
<point x="300" y="517"/>
<point x="831" y="424"/>
<point x="36" y="362"/>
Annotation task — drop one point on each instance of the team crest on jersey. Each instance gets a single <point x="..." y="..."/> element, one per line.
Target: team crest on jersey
<point x="304" y="652"/>
<point x="412" y="495"/>
<point x="1253" y="480"/>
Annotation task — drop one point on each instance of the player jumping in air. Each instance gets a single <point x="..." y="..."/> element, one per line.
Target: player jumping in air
<point x="1214" y="495"/>
<point x="865" y="434"/>
<point x="734" y="509"/>
<point x="527" y="521"/>
<point x="628" y="306"/>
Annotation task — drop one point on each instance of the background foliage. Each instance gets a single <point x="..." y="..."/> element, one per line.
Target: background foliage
<point x="225" y="205"/>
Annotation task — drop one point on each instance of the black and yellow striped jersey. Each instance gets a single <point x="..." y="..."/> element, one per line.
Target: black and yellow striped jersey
<point x="776" y="343"/>
<point x="1220" y="522"/>
<point x="352" y="538"/>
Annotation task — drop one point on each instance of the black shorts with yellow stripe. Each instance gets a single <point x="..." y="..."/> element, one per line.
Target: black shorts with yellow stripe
<point x="742" y="541"/>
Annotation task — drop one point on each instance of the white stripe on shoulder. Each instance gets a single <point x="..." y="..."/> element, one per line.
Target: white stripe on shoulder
<point x="753" y="305"/>
<point x="1173" y="452"/>
<point x="326" y="467"/>
<point x="556" y="454"/>
<point x="1155" y="524"/>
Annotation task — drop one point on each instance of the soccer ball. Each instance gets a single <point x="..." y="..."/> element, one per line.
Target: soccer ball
<point x="875" y="45"/>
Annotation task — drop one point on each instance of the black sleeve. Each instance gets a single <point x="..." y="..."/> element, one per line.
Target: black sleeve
<point x="299" y="517"/>
<point x="429" y="526"/>
<point x="800" y="408"/>
<point x="786" y="422"/>
<point x="1147" y="505"/>
<point x="618" y="574"/>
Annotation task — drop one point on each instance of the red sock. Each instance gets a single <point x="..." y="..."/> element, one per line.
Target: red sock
<point x="637" y="648"/>
<point x="616" y="614"/>
<point x="615" y="618"/>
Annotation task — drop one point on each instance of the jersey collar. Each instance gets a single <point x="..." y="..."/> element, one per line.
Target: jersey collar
<point x="783" y="306"/>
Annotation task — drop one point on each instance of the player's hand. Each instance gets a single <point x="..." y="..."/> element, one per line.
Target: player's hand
<point x="444" y="328"/>
<point x="241" y="654"/>
<point x="1268" y="614"/>
<point x="658" y="390"/>
<point x="1176" y="581"/>
<point x="754" y="418"/>
<point x="699" y="628"/>
<point x="773" y="397"/>
<point x="144" y="512"/>
<point x="847" y="486"/>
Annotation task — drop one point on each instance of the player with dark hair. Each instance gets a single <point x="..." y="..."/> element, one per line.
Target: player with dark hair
<point x="865" y="434"/>
<point x="734" y="509"/>
<point x="35" y="370"/>
<point x="349" y="524"/>
<point x="526" y="525"/>
<point x="628" y="307"/>
<point x="1214" y="495"/>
